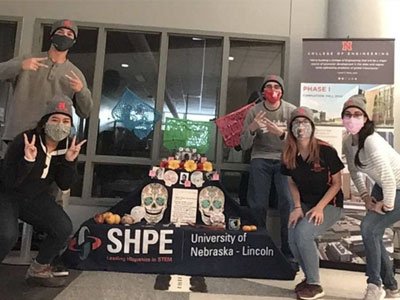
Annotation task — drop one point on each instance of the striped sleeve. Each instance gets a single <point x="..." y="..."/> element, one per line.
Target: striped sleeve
<point x="377" y="161"/>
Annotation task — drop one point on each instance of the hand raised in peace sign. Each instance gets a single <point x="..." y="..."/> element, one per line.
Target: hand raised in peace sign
<point x="73" y="151"/>
<point x="75" y="82"/>
<point x="30" y="148"/>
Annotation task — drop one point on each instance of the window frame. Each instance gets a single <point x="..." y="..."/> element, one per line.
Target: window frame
<point x="17" y="47"/>
<point x="91" y="158"/>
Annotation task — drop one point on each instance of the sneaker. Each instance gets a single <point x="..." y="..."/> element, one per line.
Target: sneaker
<point x="300" y="285"/>
<point x="42" y="275"/>
<point x="59" y="270"/>
<point x="374" y="292"/>
<point x="310" y="292"/>
<point x="392" y="294"/>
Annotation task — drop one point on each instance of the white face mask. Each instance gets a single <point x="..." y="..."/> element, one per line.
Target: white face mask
<point x="302" y="129"/>
<point x="57" y="132"/>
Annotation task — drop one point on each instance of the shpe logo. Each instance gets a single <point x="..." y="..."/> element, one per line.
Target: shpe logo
<point x="85" y="243"/>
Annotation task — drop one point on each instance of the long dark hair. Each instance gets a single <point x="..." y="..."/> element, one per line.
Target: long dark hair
<point x="366" y="131"/>
<point x="39" y="129"/>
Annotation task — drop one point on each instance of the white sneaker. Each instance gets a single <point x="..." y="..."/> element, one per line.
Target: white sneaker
<point x="374" y="292"/>
<point x="392" y="294"/>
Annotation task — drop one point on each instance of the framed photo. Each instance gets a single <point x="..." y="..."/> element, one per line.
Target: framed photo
<point x="183" y="177"/>
<point x="158" y="172"/>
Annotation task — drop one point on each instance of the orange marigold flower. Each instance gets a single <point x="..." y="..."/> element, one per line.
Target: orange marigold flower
<point x="190" y="165"/>
<point x="173" y="164"/>
<point x="207" y="166"/>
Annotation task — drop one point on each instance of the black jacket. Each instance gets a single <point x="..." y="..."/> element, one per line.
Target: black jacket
<point x="30" y="179"/>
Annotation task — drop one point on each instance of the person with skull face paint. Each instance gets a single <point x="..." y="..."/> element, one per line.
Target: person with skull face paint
<point x="37" y="77"/>
<point x="265" y="138"/>
<point x="315" y="185"/>
<point x="34" y="160"/>
<point x="367" y="152"/>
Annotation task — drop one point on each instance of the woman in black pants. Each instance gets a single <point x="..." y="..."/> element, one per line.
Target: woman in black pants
<point x="34" y="160"/>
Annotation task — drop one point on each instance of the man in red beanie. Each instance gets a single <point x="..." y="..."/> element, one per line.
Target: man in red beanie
<point x="38" y="77"/>
<point x="264" y="133"/>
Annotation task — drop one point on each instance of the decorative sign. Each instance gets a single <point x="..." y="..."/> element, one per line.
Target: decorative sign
<point x="187" y="134"/>
<point x="230" y="126"/>
<point x="184" y="206"/>
<point x="333" y="71"/>
<point x="348" y="61"/>
<point x="177" y="251"/>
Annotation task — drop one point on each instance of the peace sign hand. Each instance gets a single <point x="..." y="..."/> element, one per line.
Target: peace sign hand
<point x="73" y="151"/>
<point x="30" y="148"/>
<point x="33" y="63"/>
<point x="258" y="122"/>
<point x="75" y="82"/>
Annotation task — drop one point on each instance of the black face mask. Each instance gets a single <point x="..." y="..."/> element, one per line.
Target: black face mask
<point x="62" y="42"/>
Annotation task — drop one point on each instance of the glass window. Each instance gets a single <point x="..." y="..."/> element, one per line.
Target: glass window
<point x="192" y="94"/>
<point x="112" y="181"/>
<point x="82" y="55"/>
<point x="127" y="114"/>
<point x="8" y="31"/>
<point x="249" y="63"/>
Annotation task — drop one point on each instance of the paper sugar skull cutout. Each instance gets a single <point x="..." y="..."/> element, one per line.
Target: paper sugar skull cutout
<point x="197" y="178"/>
<point x="170" y="177"/>
<point x="154" y="201"/>
<point x="138" y="213"/>
<point x="211" y="201"/>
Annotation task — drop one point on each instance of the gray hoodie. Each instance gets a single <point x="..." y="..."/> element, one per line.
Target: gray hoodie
<point x="264" y="144"/>
<point x="33" y="89"/>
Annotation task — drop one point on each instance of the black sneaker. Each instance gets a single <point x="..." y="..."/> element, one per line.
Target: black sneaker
<point x="59" y="270"/>
<point x="300" y="285"/>
<point x="311" y="292"/>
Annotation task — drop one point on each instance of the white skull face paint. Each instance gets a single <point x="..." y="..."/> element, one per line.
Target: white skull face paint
<point x="154" y="200"/>
<point x="211" y="201"/>
<point x="302" y="128"/>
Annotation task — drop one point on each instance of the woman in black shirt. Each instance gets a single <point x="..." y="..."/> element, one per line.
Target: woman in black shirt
<point x="315" y="184"/>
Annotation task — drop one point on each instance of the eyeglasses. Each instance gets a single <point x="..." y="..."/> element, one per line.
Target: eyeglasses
<point x="356" y="115"/>
<point x="272" y="86"/>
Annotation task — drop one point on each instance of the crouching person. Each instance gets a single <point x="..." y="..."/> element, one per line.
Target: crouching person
<point x="315" y="184"/>
<point x="34" y="160"/>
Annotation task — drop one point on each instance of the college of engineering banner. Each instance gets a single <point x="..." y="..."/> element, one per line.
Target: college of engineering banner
<point x="334" y="70"/>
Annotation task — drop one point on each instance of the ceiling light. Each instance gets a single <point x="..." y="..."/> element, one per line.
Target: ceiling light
<point x="124" y="65"/>
<point x="231" y="58"/>
<point x="196" y="39"/>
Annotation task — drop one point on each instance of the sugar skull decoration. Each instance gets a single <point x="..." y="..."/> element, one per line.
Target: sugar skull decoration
<point x="211" y="202"/>
<point x="170" y="178"/>
<point x="154" y="200"/>
<point x="197" y="178"/>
